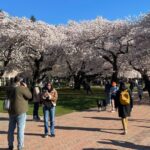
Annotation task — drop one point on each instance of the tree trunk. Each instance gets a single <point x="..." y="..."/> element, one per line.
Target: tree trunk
<point x="114" y="76"/>
<point x="115" y="71"/>
<point x="77" y="82"/>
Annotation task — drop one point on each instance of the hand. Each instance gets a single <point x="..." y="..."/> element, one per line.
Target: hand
<point x="46" y="94"/>
<point x="23" y="84"/>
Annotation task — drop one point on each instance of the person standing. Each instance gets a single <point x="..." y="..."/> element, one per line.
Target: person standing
<point x="18" y="95"/>
<point x="124" y="103"/>
<point x="113" y="91"/>
<point x="132" y="85"/>
<point x="36" y="100"/>
<point x="140" y="90"/>
<point x="49" y="99"/>
<point x="107" y="92"/>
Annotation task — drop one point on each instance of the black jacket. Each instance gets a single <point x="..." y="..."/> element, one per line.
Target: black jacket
<point x="123" y="110"/>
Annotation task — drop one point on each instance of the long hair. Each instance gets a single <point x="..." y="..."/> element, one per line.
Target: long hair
<point x="122" y="86"/>
<point x="46" y="86"/>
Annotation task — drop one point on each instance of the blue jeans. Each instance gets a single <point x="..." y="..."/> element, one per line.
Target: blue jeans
<point x="49" y="113"/>
<point x="20" y="121"/>
<point x="108" y="99"/>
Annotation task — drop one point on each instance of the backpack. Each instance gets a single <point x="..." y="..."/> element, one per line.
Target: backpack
<point x="124" y="97"/>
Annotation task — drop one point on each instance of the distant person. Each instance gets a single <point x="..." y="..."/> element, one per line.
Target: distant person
<point x="49" y="99"/>
<point x="36" y="100"/>
<point x="147" y="86"/>
<point x="124" y="103"/>
<point x="140" y="90"/>
<point x="113" y="91"/>
<point x="132" y="85"/>
<point x="18" y="95"/>
<point x="87" y="87"/>
<point x="107" y="92"/>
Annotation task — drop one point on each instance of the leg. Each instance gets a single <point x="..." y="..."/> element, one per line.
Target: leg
<point x="11" y="128"/>
<point x="52" y="120"/>
<point x="35" y="111"/>
<point x="107" y="98"/>
<point x="148" y="92"/>
<point x="113" y="105"/>
<point x="46" y="118"/>
<point x="21" y="121"/>
<point x="140" y="97"/>
<point x="124" y="124"/>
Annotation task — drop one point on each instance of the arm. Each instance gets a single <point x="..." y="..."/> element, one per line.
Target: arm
<point x="117" y="99"/>
<point x="54" y="95"/>
<point x="26" y="93"/>
<point x="36" y="92"/>
<point x="131" y="99"/>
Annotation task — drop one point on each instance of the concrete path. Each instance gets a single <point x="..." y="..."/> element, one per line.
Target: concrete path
<point x="87" y="130"/>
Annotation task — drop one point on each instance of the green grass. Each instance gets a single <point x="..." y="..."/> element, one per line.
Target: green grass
<point x="70" y="100"/>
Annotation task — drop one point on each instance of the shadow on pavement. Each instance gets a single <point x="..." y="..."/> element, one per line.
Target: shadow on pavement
<point x="4" y="118"/>
<point x="125" y="144"/>
<point x="140" y="120"/>
<point x="103" y="118"/>
<point x="111" y="131"/>
<point x="3" y="148"/>
<point x="30" y="134"/>
<point x="78" y="128"/>
<point x="98" y="149"/>
<point x="7" y="119"/>
<point x="3" y="132"/>
<point x="144" y="126"/>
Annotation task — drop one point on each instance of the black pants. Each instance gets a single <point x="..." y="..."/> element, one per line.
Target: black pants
<point x="36" y="109"/>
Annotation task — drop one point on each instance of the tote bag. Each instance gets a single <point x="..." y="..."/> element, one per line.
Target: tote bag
<point x="6" y="104"/>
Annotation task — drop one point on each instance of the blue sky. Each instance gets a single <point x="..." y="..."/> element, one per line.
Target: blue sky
<point x="61" y="11"/>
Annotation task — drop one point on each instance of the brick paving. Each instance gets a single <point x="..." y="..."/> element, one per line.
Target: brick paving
<point x="86" y="130"/>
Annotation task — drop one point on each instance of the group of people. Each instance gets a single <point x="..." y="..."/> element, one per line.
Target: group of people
<point x="119" y="97"/>
<point x="19" y="94"/>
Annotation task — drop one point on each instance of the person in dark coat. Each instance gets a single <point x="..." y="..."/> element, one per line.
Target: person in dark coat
<point x="124" y="111"/>
<point x="19" y="94"/>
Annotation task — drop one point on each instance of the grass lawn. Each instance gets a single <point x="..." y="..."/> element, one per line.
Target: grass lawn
<point x="70" y="100"/>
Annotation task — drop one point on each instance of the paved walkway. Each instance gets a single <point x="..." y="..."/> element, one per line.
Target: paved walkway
<point x="87" y="130"/>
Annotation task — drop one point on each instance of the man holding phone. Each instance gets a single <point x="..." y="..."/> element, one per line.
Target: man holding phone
<point x="19" y="95"/>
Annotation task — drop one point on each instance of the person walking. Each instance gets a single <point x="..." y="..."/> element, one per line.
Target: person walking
<point x="113" y="91"/>
<point x="124" y="103"/>
<point x="36" y="100"/>
<point x="49" y="99"/>
<point x="18" y="95"/>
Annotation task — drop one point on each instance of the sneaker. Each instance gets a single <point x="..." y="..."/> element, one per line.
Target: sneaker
<point x="34" y="118"/>
<point x="10" y="148"/>
<point x="45" y="136"/>
<point x="52" y="135"/>
<point x="37" y="119"/>
<point x="113" y="111"/>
